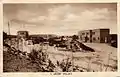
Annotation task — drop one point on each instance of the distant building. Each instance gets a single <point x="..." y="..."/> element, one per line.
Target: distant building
<point x="85" y="36"/>
<point x="113" y="40"/>
<point x="95" y="35"/>
<point x="45" y="36"/>
<point x="12" y="36"/>
<point x="22" y="34"/>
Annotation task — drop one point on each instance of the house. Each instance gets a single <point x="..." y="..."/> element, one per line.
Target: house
<point x="113" y="40"/>
<point x="95" y="35"/>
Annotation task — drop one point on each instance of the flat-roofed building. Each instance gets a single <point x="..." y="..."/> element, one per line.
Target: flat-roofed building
<point x="85" y="36"/>
<point x="113" y="40"/>
<point x="95" y="35"/>
<point x="22" y="34"/>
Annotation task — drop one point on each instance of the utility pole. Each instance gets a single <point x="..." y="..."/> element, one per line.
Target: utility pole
<point x="9" y="31"/>
<point x="8" y="27"/>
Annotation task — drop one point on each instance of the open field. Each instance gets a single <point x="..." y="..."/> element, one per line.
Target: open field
<point x="103" y="59"/>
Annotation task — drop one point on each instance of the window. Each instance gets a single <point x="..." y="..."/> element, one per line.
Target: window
<point x="94" y="38"/>
<point x="98" y="38"/>
<point x="87" y="33"/>
<point x="93" y="33"/>
<point x="87" y="38"/>
<point x="83" y="33"/>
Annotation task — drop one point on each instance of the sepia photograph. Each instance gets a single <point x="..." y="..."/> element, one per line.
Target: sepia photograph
<point x="60" y="37"/>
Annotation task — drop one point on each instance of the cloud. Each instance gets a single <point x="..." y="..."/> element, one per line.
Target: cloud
<point x="65" y="18"/>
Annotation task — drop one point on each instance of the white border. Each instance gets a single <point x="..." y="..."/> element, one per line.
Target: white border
<point x="42" y="74"/>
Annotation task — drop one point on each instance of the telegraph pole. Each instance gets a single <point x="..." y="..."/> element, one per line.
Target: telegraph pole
<point x="8" y="28"/>
<point x="9" y="31"/>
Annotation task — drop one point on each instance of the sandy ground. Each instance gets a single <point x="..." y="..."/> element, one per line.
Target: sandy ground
<point x="103" y="59"/>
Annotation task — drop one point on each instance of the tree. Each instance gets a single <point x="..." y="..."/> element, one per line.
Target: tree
<point x="74" y="37"/>
<point x="4" y="36"/>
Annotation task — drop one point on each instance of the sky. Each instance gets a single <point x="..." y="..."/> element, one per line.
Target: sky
<point x="59" y="18"/>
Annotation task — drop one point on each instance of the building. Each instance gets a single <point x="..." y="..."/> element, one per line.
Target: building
<point x="85" y="36"/>
<point x="95" y="35"/>
<point x="22" y="34"/>
<point x="45" y="36"/>
<point x="113" y="40"/>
